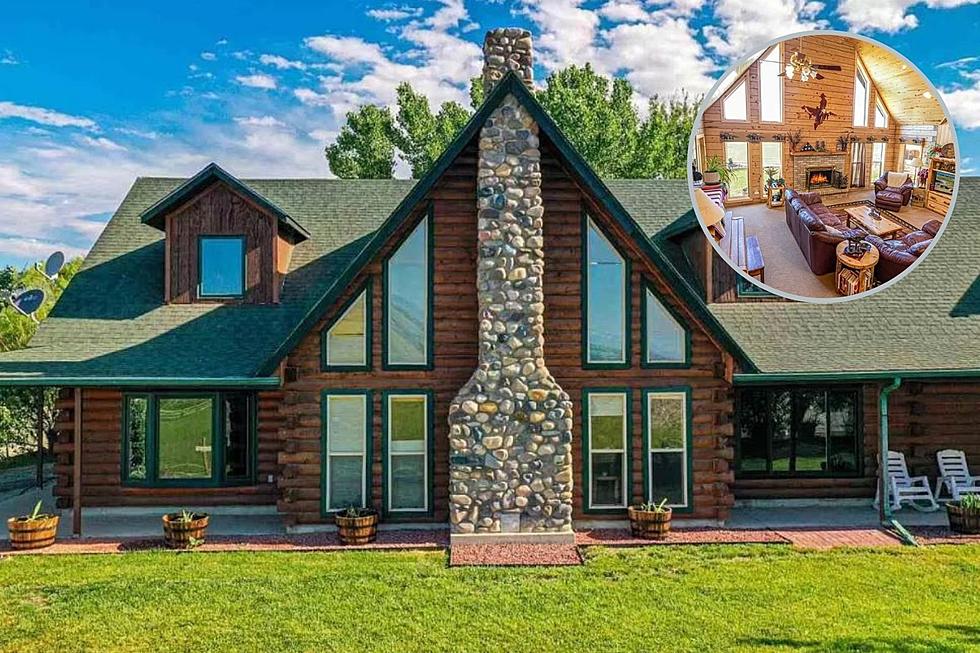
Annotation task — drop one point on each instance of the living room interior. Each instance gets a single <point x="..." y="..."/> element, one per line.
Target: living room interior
<point x="823" y="166"/>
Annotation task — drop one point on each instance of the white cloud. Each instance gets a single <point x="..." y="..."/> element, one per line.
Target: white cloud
<point x="7" y="58"/>
<point x="208" y="56"/>
<point x="347" y="49"/>
<point x="138" y="133"/>
<point x="258" y="80"/>
<point x="260" y="121"/>
<point x="281" y="63"/>
<point x="620" y="11"/>
<point x="744" y="26"/>
<point x="102" y="143"/>
<point x="964" y="105"/>
<point x="221" y="42"/>
<point x="44" y="116"/>
<point x="389" y="15"/>
<point x="889" y="15"/>
<point x="36" y="249"/>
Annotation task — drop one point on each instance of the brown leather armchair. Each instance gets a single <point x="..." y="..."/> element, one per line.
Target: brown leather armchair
<point x="817" y="230"/>
<point x="895" y="256"/>
<point x="892" y="198"/>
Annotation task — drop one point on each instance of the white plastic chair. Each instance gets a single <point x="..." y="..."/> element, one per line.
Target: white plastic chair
<point x="954" y="474"/>
<point x="903" y="488"/>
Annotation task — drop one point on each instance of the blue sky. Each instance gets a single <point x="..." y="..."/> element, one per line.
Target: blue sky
<point x="93" y="95"/>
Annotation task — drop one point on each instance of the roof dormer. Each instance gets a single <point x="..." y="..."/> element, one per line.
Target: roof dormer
<point x="224" y="243"/>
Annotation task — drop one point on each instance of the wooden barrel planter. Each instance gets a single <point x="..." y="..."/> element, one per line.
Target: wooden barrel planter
<point x="185" y="534"/>
<point x="650" y="524"/>
<point x="359" y="529"/>
<point x="37" y="533"/>
<point x="965" y="521"/>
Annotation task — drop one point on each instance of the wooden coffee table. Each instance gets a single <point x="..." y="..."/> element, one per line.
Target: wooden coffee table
<point x="863" y="268"/>
<point x="878" y="226"/>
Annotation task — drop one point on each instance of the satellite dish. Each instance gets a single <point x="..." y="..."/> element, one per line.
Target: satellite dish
<point x="27" y="302"/>
<point x="53" y="265"/>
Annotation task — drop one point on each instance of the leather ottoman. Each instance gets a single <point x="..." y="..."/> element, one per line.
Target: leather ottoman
<point x="889" y="200"/>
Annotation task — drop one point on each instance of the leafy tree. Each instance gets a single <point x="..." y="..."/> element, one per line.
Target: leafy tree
<point x="596" y="113"/>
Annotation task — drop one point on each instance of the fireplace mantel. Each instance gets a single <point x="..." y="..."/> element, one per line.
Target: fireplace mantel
<point x="824" y="153"/>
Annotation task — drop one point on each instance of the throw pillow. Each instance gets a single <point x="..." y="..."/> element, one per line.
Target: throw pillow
<point x="897" y="179"/>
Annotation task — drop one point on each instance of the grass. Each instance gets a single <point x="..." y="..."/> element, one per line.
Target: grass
<point x="739" y="598"/>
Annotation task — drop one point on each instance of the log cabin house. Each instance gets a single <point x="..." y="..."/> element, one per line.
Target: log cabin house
<point x="509" y="346"/>
<point x="806" y="133"/>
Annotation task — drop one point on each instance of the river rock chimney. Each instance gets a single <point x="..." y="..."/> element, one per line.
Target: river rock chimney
<point x="511" y="424"/>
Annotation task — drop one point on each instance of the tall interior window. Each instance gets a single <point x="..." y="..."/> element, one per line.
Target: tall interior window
<point x="609" y="481"/>
<point x="408" y="454"/>
<point x="771" y="87"/>
<point x="803" y="431"/>
<point x="881" y="116"/>
<point x="857" y="165"/>
<point x="667" y="436"/>
<point x="188" y="439"/>
<point x="735" y="105"/>
<point x="345" y="343"/>
<point x="221" y="266"/>
<point x="666" y="339"/>
<point x="346" y="420"/>
<point x="772" y="157"/>
<point x="912" y="154"/>
<point x="606" y="328"/>
<point x="737" y="162"/>
<point x="407" y="308"/>
<point x="860" y="98"/>
<point x="877" y="160"/>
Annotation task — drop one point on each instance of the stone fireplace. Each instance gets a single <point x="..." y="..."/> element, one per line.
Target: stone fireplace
<point x="820" y="172"/>
<point x="822" y="177"/>
<point x="510" y="426"/>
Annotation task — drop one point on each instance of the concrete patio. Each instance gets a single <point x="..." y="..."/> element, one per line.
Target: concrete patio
<point x="823" y="514"/>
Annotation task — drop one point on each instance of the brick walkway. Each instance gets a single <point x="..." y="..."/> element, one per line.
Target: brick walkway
<point x="824" y="538"/>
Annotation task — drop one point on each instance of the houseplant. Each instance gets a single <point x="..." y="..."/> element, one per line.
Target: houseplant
<point x="964" y="515"/>
<point x="34" y="531"/>
<point x="185" y="530"/>
<point x="650" y="521"/>
<point x="716" y="171"/>
<point x="357" y="525"/>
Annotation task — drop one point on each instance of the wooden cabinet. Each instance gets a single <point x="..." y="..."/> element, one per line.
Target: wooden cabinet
<point x="939" y="184"/>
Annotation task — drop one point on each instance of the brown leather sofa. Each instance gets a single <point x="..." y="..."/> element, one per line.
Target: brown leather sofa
<point x="892" y="198"/>
<point x="817" y="230"/>
<point x="895" y="256"/>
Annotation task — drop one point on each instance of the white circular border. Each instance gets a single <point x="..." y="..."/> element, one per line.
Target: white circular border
<point x="698" y="121"/>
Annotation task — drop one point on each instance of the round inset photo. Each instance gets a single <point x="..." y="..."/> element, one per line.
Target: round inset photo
<point x="823" y="167"/>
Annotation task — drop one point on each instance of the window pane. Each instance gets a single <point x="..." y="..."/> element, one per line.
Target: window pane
<point x="185" y="437"/>
<point x="772" y="157"/>
<point x="666" y="338"/>
<point x="667" y="477"/>
<point x="877" y="160"/>
<point x="407" y="482"/>
<point x="737" y="161"/>
<point x="781" y="414"/>
<point x="408" y="292"/>
<point x="607" y="479"/>
<point x="734" y="105"/>
<point x="222" y="266"/>
<point x="346" y="482"/>
<point x="753" y="426"/>
<point x="607" y="300"/>
<point x="811" y="431"/>
<point x="406" y="424"/>
<point x="860" y="100"/>
<point x="237" y="434"/>
<point x="770" y="87"/>
<point x="667" y="421"/>
<point x="842" y="408"/>
<point x="346" y="342"/>
<point x="881" y="118"/>
<point x="346" y="424"/>
<point x="136" y="433"/>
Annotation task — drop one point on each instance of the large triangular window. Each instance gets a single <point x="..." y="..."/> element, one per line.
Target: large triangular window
<point x="346" y="342"/>
<point x="735" y="106"/>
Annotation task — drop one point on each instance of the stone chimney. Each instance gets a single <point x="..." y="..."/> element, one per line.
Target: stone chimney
<point x="511" y="424"/>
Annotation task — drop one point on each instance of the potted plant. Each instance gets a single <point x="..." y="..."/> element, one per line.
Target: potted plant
<point x="357" y="525"/>
<point x="650" y="521"/>
<point x="34" y="531"/>
<point x="715" y="171"/>
<point x="964" y="515"/>
<point x="185" y="530"/>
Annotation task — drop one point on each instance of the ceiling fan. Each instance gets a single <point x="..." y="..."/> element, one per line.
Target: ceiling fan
<point x="800" y="64"/>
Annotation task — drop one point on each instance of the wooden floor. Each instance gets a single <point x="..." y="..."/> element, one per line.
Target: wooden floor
<point x="786" y="269"/>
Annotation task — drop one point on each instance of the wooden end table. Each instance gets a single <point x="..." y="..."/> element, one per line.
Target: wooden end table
<point x="863" y="268"/>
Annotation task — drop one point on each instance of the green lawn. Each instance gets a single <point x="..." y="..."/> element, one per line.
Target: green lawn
<point x="744" y="598"/>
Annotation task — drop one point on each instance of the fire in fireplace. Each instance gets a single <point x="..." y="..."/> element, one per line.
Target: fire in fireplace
<point x="822" y="177"/>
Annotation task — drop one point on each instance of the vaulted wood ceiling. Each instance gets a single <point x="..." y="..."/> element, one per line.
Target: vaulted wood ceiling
<point x="901" y="87"/>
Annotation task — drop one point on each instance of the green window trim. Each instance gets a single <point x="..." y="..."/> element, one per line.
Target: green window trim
<point x="688" y="467"/>
<point x="587" y="222"/>
<point x="366" y="291"/>
<point x="428" y="450"/>
<point x="648" y="287"/>
<point x="587" y="451"/>
<point x="747" y="289"/>
<point x="200" y="266"/>
<point x="218" y="477"/>
<point x="386" y="364"/>
<point x="368" y="451"/>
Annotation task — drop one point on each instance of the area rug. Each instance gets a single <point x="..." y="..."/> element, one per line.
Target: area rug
<point x="514" y="555"/>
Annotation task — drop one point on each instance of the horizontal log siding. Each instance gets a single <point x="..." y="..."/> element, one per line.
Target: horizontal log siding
<point x="454" y="208"/>
<point x="102" y="457"/>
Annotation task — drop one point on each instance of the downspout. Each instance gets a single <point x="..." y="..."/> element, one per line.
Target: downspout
<point x="885" y="507"/>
